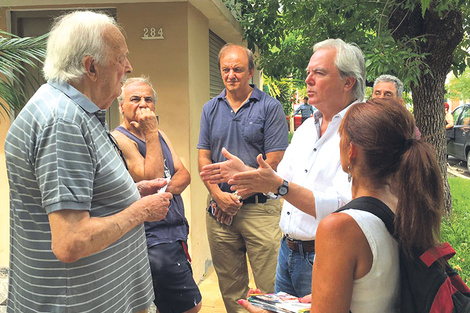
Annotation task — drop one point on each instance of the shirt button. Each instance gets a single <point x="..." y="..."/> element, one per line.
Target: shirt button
<point x="314" y="149"/>
<point x="306" y="170"/>
<point x="288" y="213"/>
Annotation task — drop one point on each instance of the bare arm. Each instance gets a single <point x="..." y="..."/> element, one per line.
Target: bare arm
<point x="274" y="158"/>
<point x="151" y="166"/>
<point x="76" y="235"/>
<point x="450" y="121"/>
<point x="181" y="178"/>
<point x="332" y="285"/>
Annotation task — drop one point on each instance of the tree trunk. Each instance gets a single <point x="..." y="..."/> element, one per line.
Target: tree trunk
<point x="428" y="100"/>
<point x="442" y="35"/>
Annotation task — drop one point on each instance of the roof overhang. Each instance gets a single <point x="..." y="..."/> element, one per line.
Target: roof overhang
<point x="221" y="21"/>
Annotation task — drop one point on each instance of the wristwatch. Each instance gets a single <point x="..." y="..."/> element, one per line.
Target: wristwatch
<point x="283" y="189"/>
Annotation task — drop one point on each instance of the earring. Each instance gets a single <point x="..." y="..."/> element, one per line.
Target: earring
<point x="349" y="174"/>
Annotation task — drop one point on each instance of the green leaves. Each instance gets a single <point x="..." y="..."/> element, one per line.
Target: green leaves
<point x="17" y="57"/>
<point x="283" y="90"/>
<point x="459" y="87"/>
<point x="285" y="31"/>
<point x="424" y="6"/>
<point x="385" y="56"/>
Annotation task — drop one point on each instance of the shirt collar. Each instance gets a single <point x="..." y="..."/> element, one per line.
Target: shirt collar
<point x="256" y="94"/>
<point x="318" y="115"/>
<point x="75" y="95"/>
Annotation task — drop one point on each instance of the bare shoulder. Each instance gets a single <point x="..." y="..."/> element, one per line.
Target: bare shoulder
<point x="167" y="140"/>
<point x="339" y="226"/>
<point x="117" y="134"/>
<point x="161" y="132"/>
<point x="123" y="141"/>
<point x="336" y="221"/>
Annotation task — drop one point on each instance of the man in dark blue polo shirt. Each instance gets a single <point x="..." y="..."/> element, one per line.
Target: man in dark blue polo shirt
<point x="247" y="122"/>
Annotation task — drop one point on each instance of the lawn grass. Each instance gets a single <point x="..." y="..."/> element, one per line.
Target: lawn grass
<point x="456" y="227"/>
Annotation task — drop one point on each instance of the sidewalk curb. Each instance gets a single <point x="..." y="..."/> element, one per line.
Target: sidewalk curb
<point x="456" y="172"/>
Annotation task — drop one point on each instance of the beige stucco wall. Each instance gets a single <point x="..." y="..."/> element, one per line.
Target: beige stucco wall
<point x="198" y="74"/>
<point x="178" y="67"/>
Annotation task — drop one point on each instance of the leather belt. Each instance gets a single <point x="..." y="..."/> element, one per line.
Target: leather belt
<point x="294" y="245"/>
<point x="258" y="198"/>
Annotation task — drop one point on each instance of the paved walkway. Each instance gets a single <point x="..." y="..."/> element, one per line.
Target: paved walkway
<point x="211" y="299"/>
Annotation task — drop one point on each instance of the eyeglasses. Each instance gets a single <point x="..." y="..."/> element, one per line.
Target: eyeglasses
<point x="118" y="150"/>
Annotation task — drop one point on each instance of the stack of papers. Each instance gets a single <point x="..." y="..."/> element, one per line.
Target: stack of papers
<point x="280" y="302"/>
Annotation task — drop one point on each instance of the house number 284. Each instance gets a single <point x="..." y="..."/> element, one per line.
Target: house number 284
<point x="153" y="33"/>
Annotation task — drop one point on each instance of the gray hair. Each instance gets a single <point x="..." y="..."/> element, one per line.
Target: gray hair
<point x="137" y="80"/>
<point x="391" y="79"/>
<point x="349" y="61"/>
<point x="73" y="37"/>
<point x="249" y="54"/>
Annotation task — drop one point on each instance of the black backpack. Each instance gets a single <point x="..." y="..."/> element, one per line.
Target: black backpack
<point x="425" y="286"/>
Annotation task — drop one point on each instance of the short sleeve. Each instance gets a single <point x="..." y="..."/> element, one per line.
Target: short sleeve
<point x="276" y="136"/>
<point x="64" y="167"/>
<point x="204" y="132"/>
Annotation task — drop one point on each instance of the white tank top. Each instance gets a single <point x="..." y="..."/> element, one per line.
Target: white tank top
<point x="378" y="290"/>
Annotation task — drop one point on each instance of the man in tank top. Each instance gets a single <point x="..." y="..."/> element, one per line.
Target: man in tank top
<point x="149" y="155"/>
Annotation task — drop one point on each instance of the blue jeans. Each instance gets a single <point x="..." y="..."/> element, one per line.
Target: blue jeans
<point x="294" y="271"/>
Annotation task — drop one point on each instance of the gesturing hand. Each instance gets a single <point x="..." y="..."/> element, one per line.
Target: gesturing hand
<point x="263" y="179"/>
<point x="221" y="172"/>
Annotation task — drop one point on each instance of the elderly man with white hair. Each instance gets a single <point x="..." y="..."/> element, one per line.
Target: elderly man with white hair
<point x="76" y="215"/>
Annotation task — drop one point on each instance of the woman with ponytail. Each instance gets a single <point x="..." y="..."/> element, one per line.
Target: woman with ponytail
<point x="356" y="267"/>
<point x="357" y="257"/>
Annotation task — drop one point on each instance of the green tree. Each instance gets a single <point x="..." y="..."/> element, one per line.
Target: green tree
<point x="419" y="41"/>
<point x="17" y="57"/>
<point x="283" y="90"/>
<point x="459" y="87"/>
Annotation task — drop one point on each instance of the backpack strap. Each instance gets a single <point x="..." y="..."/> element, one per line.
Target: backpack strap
<point x="382" y="211"/>
<point x="444" y="251"/>
<point x="374" y="206"/>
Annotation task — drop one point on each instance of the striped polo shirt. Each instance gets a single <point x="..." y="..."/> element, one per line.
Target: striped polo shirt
<point x="59" y="156"/>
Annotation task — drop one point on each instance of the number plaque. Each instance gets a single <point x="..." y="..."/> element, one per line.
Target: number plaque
<point x="153" y="33"/>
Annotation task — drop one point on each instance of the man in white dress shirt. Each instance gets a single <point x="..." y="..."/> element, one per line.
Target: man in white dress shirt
<point x="309" y="177"/>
